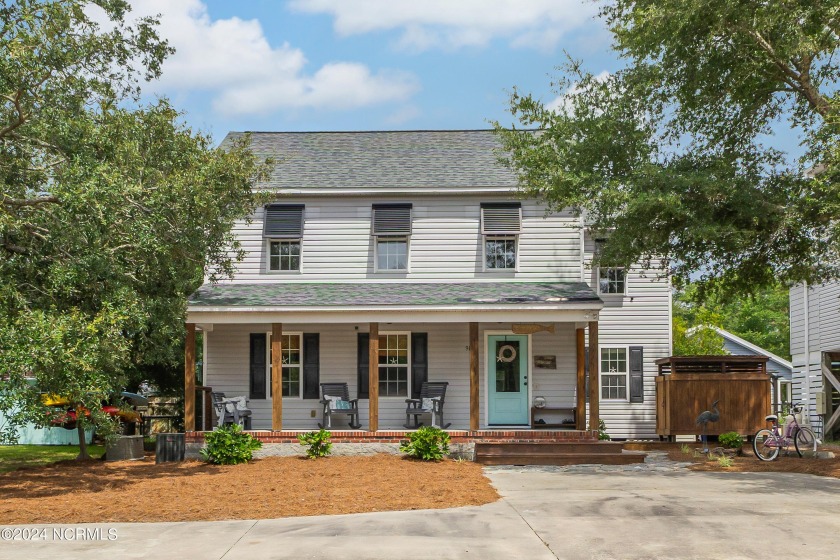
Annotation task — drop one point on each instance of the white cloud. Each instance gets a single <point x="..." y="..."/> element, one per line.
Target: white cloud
<point x="563" y="103"/>
<point x="426" y="24"/>
<point x="233" y="60"/>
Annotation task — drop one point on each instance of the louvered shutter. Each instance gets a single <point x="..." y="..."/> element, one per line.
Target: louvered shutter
<point x="283" y="221"/>
<point x="311" y="365"/>
<point x="419" y="362"/>
<point x="257" y="367"/>
<point x="391" y="219"/>
<point x="501" y="218"/>
<point x="362" y="361"/>
<point x="637" y="385"/>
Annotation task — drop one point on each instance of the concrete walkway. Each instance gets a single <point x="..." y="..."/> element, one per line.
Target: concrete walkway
<point x="542" y="515"/>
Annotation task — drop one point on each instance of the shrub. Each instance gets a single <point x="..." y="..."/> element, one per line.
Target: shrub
<point x="731" y="440"/>
<point x="602" y="431"/>
<point x="318" y="442"/>
<point x="725" y="462"/>
<point x="427" y="443"/>
<point x="686" y="449"/>
<point x="229" y="446"/>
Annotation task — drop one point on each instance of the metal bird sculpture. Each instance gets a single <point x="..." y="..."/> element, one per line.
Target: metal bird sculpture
<point x="704" y="419"/>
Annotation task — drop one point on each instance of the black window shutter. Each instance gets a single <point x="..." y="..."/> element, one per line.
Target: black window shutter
<point x="391" y="219"/>
<point x="637" y="389"/>
<point x="363" y="362"/>
<point x="586" y="371"/>
<point x="419" y="362"/>
<point x="311" y="365"/>
<point x="257" y="366"/>
<point x="501" y="218"/>
<point x="283" y="221"/>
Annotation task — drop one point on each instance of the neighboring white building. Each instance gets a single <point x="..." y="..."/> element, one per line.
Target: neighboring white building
<point x="815" y="348"/>
<point x="420" y="235"/>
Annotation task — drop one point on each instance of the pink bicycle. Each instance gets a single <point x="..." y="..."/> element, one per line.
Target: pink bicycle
<point x="768" y="443"/>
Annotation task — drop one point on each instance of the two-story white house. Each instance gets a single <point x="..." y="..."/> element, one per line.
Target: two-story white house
<point x="392" y="258"/>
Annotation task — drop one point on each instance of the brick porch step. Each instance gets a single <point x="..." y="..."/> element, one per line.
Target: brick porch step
<point x="565" y="453"/>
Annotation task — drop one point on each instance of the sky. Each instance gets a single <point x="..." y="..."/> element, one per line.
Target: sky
<point x="315" y="65"/>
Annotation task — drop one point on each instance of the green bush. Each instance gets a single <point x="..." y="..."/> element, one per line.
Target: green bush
<point x="602" y="431"/>
<point x="229" y="446"/>
<point x="427" y="443"/>
<point x="318" y="442"/>
<point x="731" y="440"/>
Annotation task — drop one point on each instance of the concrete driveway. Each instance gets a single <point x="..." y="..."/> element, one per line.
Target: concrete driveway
<point x="542" y="515"/>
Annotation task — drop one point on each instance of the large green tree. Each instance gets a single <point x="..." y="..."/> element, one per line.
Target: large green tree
<point x="111" y="212"/>
<point x="680" y="155"/>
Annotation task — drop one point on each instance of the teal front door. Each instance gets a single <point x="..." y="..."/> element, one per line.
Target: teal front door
<point x="507" y="370"/>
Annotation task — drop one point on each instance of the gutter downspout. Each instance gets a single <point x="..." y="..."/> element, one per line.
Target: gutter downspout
<point x="807" y="355"/>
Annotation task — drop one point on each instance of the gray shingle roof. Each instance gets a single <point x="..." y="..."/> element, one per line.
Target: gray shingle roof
<point x="381" y="160"/>
<point x="285" y="294"/>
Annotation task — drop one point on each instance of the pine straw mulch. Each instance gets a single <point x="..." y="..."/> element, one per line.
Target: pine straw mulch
<point x="141" y="491"/>
<point x="748" y="462"/>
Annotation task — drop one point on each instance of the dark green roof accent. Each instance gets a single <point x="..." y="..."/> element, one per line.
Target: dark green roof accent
<point x="287" y="294"/>
<point x="381" y="160"/>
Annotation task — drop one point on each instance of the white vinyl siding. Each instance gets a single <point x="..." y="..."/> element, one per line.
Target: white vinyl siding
<point x="446" y="243"/>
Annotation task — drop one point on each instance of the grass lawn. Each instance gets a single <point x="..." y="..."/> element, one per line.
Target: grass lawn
<point x="13" y="457"/>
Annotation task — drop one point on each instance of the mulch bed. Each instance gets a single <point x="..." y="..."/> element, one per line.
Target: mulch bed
<point x="748" y="462"/>
<point x="132" y="491"/>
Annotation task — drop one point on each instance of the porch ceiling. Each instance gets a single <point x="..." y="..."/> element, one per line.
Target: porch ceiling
<point x="397" y="301"/>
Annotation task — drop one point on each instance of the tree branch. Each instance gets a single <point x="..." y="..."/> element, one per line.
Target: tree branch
<point x="21" y="202"/>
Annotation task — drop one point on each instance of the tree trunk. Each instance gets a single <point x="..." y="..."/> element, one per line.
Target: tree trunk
<point x="80" y="429"/>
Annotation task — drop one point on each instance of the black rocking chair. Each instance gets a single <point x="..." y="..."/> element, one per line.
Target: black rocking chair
<point x="335" y="398"/>
<point x="432" y="396"/>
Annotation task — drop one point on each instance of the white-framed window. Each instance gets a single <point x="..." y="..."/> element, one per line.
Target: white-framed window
<point x="283" y="255"/>
<point x="283" y="232"/>
<point x="612" y="280"/>
<point x="394" y="364"/>
<point x="391" y="253"/>
<point x="391" y="227"/>
<point x="500" y="252"/>
<point x="614" y="373"/>
<point x="292" y="356"/>
<point x="501" y="224"/>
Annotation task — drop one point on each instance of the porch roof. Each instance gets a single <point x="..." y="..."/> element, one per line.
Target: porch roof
<point x="393" y="301"/>
<point x="394" y="294"/>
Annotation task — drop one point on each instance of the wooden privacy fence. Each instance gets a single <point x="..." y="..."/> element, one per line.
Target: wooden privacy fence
<point x="688" y="385"/>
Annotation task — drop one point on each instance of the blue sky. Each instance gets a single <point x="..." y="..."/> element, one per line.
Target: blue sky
<point x="366" y="64"/>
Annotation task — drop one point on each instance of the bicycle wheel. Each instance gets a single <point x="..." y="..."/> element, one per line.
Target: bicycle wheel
<point x="765" y="445"/>
<point x="804" y="440"/>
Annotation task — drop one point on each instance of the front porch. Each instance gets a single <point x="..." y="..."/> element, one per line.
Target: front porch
<point x="496" y="353"/>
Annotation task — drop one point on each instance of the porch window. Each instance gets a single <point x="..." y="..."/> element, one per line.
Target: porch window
<point x="391" y="225"/>
<point x="291" y="352"/>
<point x="614" y="374"/>
<point x="501" y="223"/>
<point x="394" y="363"/>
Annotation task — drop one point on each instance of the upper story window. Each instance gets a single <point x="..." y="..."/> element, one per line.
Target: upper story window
<point x="283" y="231"/>
<point x="501" y="224"/>
<point x="611" y="279"/>
<point x="391" y="225"/>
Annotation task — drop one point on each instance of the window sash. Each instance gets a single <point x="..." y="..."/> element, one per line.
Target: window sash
<point x="500" y="252"/>
<point x="292" y="355"/>
<point x="284" y="255"/>
<point x="391" y="253"/>
<point x="394" y="365"/>
<point x="614" y="373"/>
<point x="612" y="280"/>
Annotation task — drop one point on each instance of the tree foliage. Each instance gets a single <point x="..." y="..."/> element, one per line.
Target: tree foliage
<point x="677" y="154"/>
<point x="111" y="213"/>
<point x="761" y="318"/>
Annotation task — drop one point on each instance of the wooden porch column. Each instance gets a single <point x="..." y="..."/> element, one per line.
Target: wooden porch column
<point x="593" y="376"/>
<point x="373" y="377"/>
<point x="474" y="407"/>
<point x="189" y="379"/>
<point x="580" y="417"/>
<point x="276" y="376"/>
